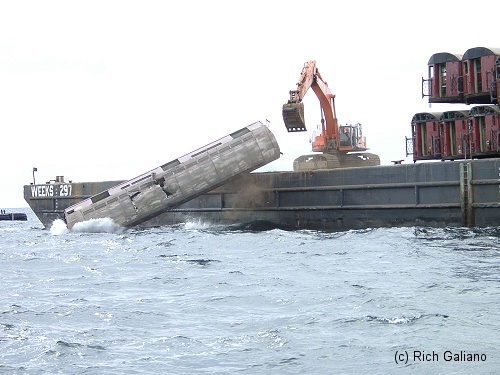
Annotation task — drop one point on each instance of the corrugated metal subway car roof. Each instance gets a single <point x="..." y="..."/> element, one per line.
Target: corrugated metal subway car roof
<point x="484" y="110"/>
<point x="426" y="116"/>
<point x="476" y="52"/>
<point x="443" y="57"/>
<point x="454" y="115"/>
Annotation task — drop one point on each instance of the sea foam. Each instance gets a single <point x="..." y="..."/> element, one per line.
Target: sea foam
<point x="104" y="225"/>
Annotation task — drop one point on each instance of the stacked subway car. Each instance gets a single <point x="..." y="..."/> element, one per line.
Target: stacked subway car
<point x="471" y="78"/>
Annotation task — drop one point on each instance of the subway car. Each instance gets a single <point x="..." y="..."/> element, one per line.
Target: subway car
<point x="426" y="136"/>
<point x="457" y="134"/>
<point x="484" y="122"/>
<point x="471" y="78"/>
<point x="180" y="180"/>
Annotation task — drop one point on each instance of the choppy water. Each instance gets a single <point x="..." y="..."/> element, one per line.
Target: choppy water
<point x="195" y="299"/>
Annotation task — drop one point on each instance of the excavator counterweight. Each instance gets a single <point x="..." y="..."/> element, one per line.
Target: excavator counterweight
<point x="293" y="116"/>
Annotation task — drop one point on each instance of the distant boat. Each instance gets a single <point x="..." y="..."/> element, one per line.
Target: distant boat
<point x="13" y="216"/>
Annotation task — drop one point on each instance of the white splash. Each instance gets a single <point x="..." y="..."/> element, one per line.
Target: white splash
<point x="104" y="225"/>
<point x="58" y="227"/>
<point x="197" y="225"/>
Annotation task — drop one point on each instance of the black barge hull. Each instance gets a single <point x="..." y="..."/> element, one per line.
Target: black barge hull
<point x="438" y="194"/>
<point x="13" y="216"/>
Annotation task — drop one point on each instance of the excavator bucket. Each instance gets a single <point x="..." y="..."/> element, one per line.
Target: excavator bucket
<point x="293" y="116"/>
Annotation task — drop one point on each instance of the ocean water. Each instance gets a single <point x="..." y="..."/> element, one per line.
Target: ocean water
<point x="250" y="299"/>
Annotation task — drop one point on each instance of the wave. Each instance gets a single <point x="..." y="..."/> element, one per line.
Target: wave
<point x="104" y="225"/>
<point x="58" y="227"/>
<point x="249" y="226"/>
<point x="401" y="319"/>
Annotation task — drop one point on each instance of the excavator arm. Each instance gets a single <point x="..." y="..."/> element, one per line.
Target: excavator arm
<point x="293" y="110"/>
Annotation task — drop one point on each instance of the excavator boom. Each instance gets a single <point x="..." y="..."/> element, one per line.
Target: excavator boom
<point x="293" y="110"/>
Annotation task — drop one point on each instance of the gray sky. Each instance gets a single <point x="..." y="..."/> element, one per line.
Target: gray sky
<point x="107" y="90"/>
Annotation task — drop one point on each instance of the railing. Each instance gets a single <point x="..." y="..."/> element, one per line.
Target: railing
<point x="426" y="87"/>
<point x="493" y="90"/>
<point x="410" y="146"/>
<point x="457" y="85"/>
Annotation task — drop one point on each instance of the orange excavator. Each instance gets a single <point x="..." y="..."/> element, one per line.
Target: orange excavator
<point x="340" y="146"/>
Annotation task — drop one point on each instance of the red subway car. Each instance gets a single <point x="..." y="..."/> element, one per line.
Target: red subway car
<point x="459" y="134"/>
<point x="445" y="81"/>
<point x="484" y="122"/>
<point x="471" y="78"/>
<point x="426" y="136"/>
<point x="455" y="135"/>
<point x="479" y="71"/>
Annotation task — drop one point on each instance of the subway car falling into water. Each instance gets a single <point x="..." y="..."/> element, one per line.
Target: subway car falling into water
<point x="152" y="193"/>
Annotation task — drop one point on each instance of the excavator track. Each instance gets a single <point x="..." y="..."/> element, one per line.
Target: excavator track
<point x="362" y="159"/>
<point x="293" y="116"/>
<point x="372" y="159"/>
<point x="314" y="162"/>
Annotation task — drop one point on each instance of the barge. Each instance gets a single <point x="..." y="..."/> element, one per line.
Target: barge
<point x="451" y="193"/>
<point x="13" y="216"/>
